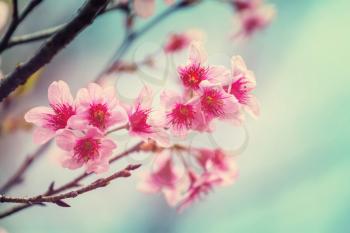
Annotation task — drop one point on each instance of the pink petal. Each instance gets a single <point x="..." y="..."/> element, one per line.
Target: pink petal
<point x="66" y="140"/>
<point x="219" y="74"/>
<point x="42" y="135"/>
<point x="98" y="167"/>
<point x="83" y="98"/>
<point x="253" y="106"/>
<point x="169" y="98"/>
<point x="145" y="98"/>
<point x="38" y="115"/>
<point x="96" y="92"/>
<point x="144" y="8"/>
<point x="71" y="163"/>
<point x="197" y="54"/>
<point x="118" y="117"/>
<point x="108" y="145"/>
<point x="59" y="93"/>
<point x="77" y="122"/>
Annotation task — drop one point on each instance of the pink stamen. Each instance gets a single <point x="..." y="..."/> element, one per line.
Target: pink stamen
<point x="138" y="121"/>
<point x="62" y="114"/>
<point x="182" y="116"/>
<point x="98" y="115"/>
<point x="86" y="149"/>
<point x="192" y="75"/>
<point x="212" y="102"/>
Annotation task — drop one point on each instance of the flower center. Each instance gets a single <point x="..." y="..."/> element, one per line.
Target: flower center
<point x="98" y="115"/>
<point x="182" y="116"/>
<point x="138" y="121"/>
<point x="192" y="75"/>
<point x="240" y="90"/>
<point x="212" y="102"/>
<point x="62" y="114"/>
<point x="86" y="149"/>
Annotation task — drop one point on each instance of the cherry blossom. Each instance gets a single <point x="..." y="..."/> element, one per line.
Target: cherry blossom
<point x="54" y="118"/>
<point x="91" y="149"/>
<point x="98" y="107"/>
<point x="163" y="178"/>
<point x="242" y="84"/>
<point x="145" y="8"/>
<point x="143" y="121"/>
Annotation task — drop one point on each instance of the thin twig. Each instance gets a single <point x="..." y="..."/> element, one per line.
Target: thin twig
<point x="57" y="199"/>
<point x="14" y="10"/>
<point x="71" y="184"/>
<point x="57" y="42"/>
<point x="46" y="33"/>
<point x="17" y="178"/>
<point x="16" y="20"/>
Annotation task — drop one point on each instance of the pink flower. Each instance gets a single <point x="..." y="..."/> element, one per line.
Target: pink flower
<point x="197" y="71"/>
<point x="98" y="107"/>
<point x="176" y="42"/>
<point x="256" y="19"/>
<point x="52" y="119"/>
<point x="200" y="185"/>
<point x="143" y="123"/>
<point x="215" y="102"/>
<point x="164" y="178"/>
<point x="242" y="84"/>
<point x="243" y="5"/>
<point x="219" y="163"/>
<point x="91" y="149"/>
<point x="145" y="8"/>
<point x="181" y="115"/>
<point x="179" y="41"/>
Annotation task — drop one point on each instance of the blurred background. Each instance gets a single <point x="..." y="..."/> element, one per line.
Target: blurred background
<point x="294" y="175"/>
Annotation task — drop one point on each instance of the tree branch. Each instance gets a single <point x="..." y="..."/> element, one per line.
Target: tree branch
<point x="58" y="41"/>
<point x="17" y="178"/>
<point x="16" y="20"/>
<point x="57" y="199"/>
<point x="71" y="184"/>
<point x="46" y="33"/>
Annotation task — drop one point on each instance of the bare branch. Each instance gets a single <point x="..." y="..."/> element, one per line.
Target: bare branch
<point x="71" y="184"/>
<point x="57" y="42"/>
<point x="57" y="199"/>
<point x="16" y="20"/>
<point x="46" y="33"/>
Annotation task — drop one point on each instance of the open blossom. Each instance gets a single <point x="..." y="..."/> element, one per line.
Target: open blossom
<point x="54" y="118"/>
<point x="242" y="84"/>
<point x="255" y="19"/>
<point x="163" y="178"/>
<point x="143" y="122"/>
<point x="145" y="8"/>
<point x="98" y="107"/>
<point x="197" y="69"/>
<point x="215" y="102"/>
<point x="181" y="115"/>
<point x="91" y="149"/>
<point x="179" y="41"/>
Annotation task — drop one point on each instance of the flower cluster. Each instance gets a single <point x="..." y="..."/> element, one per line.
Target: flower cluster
<point x="253" y="15"/>
<point x="82" y="125"/>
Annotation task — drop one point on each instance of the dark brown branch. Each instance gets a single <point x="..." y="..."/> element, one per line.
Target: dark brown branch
<point x="57" y="199"/>
<point x="71" y="184"/>
<point x="17" y="178"/>
<point x="19" y="76"/>
<point x="16" y="20"/>
<point x="46" y="33"/>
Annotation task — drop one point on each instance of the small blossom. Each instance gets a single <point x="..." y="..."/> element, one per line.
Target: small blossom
<point x="181" y="115"/>
<point x="91" y="149"/>
<point x="219" y="163"/>
<point x="197" y="71"/>
<point x="97" y="107"/>
<point x="54" y="118"/>
<point x="143" y="122"/>
<point x="145" y="8"/>
<point x="256" y="19"/>
<point x="243" y="5"/>
<point x="164" y="178"/>
<point x="242" y="84"/>
<point x="215" y="102"/>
